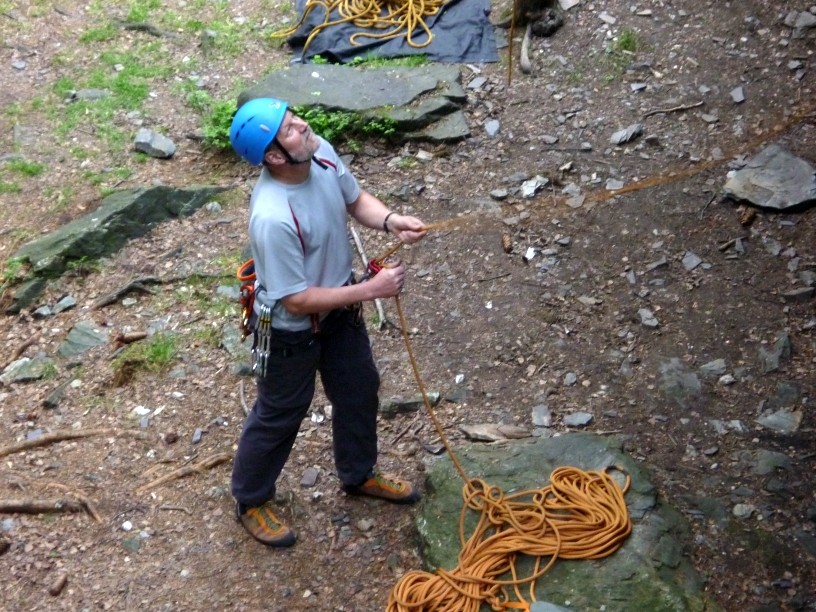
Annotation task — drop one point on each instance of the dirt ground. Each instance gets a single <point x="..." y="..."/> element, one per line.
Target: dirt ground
<point x="494" y="333"/>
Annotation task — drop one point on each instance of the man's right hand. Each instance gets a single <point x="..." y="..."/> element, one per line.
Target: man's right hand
<point x="389" y="281"/>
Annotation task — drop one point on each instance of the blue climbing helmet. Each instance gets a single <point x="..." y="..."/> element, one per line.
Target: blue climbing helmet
<point x="255" y="126"/>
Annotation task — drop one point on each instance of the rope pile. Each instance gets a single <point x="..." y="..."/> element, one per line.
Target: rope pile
<point x="388" y="18"/>
<point x="579" y="515"/>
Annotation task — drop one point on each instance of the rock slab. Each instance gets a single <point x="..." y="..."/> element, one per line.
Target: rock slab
<point x="774" y="178"/>
<point x="649" y="571"/>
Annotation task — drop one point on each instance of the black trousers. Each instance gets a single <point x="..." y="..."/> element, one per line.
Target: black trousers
<point x="341" y="352"/>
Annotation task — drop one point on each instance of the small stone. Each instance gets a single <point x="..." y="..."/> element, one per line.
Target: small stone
<point x="578" y="419"/>
<point x="607" y="18"/>
<point x="744" y="511"/>
<point x="309" y="478"/>
<point x="492" y="127"/>
<point x="738" y="95"/>
<point x="647" y="318"/>
<point x="691" y="261"/>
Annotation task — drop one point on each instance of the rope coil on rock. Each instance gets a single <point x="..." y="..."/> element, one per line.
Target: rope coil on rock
<point x="389" y="18"/>
<point x="579" y="515"/>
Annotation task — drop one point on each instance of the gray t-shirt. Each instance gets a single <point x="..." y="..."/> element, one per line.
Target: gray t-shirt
<point x="299" y="234"/>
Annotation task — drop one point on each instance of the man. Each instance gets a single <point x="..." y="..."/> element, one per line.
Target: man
<point x="308" y="310"/>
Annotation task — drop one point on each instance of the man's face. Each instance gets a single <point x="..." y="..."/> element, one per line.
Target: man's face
<point x="297" y="138"/>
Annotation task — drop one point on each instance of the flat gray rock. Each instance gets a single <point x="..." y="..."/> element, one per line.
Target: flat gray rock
<point x="342" y="87"/>
<point x="648" y="572"/>
<point x="774" y="179"/>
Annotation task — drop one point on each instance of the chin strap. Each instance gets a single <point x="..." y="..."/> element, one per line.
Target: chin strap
<point x="289" y="158"/>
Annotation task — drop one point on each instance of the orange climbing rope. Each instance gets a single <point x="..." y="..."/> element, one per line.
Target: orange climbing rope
<point x="579" y="515"/>
<point x="383" y="19"/>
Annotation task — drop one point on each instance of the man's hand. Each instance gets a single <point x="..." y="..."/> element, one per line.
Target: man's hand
<point x="388" y="282"/>
<point x="407" y="229"/>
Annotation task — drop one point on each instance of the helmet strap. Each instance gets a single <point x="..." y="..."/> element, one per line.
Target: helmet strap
<point x="288" y="156"/>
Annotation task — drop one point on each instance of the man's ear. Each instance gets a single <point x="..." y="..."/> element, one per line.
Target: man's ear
<point x="274" y="157"/>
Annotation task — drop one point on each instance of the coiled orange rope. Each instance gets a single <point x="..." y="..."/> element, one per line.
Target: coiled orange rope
<point x="388" y="18"/>
<point x="579" y="515"/>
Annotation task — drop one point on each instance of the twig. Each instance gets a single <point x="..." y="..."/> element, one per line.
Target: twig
<point x="197" y="468"/>
<point x="405" y="430"/>
<point x="490" y="278"/>
<point x="243" y="398"/>
<point x="673" y="109"/>
<point x="179" y="508"/>
<point x="377" y="302"/>
<point x="703" y="209"/>
<point x="727" y="245"/>
<point x="82" y="499"/>
<point x="60" y="436"/>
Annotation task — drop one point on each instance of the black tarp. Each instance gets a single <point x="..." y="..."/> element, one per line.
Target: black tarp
<point x="462" y="33"/>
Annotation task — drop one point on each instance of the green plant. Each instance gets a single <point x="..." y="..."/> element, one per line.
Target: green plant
<point x="49" y="371"/>
<point x="13" y="269"/>
<point x="83" y="266"/>
<point x="372" y="60"/>
<point x="97" y="35"/>
<point x="25" y="167"/>
<point x="627" y="41"/>
<point x="140" y="10"/>
<point x="208" y="336"/>
<point x="406" y="162"/>
<point x="337" y="126"/>
<point x="151" y="355"/>
<point x="9" y="188"/>
<point x="217" y="124"/>
<point x="318" y="60"/>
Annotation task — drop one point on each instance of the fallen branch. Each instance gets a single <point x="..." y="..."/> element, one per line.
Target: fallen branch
<point x="138" y="284"/>
<point x="673" y="109"/>
<point x="60" y="436"/>
<point x="377" y="302"/>
<point x="21" y="349"/>
<point x="197" y="468"/>
<point x="134" y="285"/>
<point x="40" y="506"/>
<point x="82" y="499"/>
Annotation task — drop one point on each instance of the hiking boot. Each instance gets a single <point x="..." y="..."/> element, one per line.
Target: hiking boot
<point x="385" y="487"/>
<point x="264" y="526"/>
